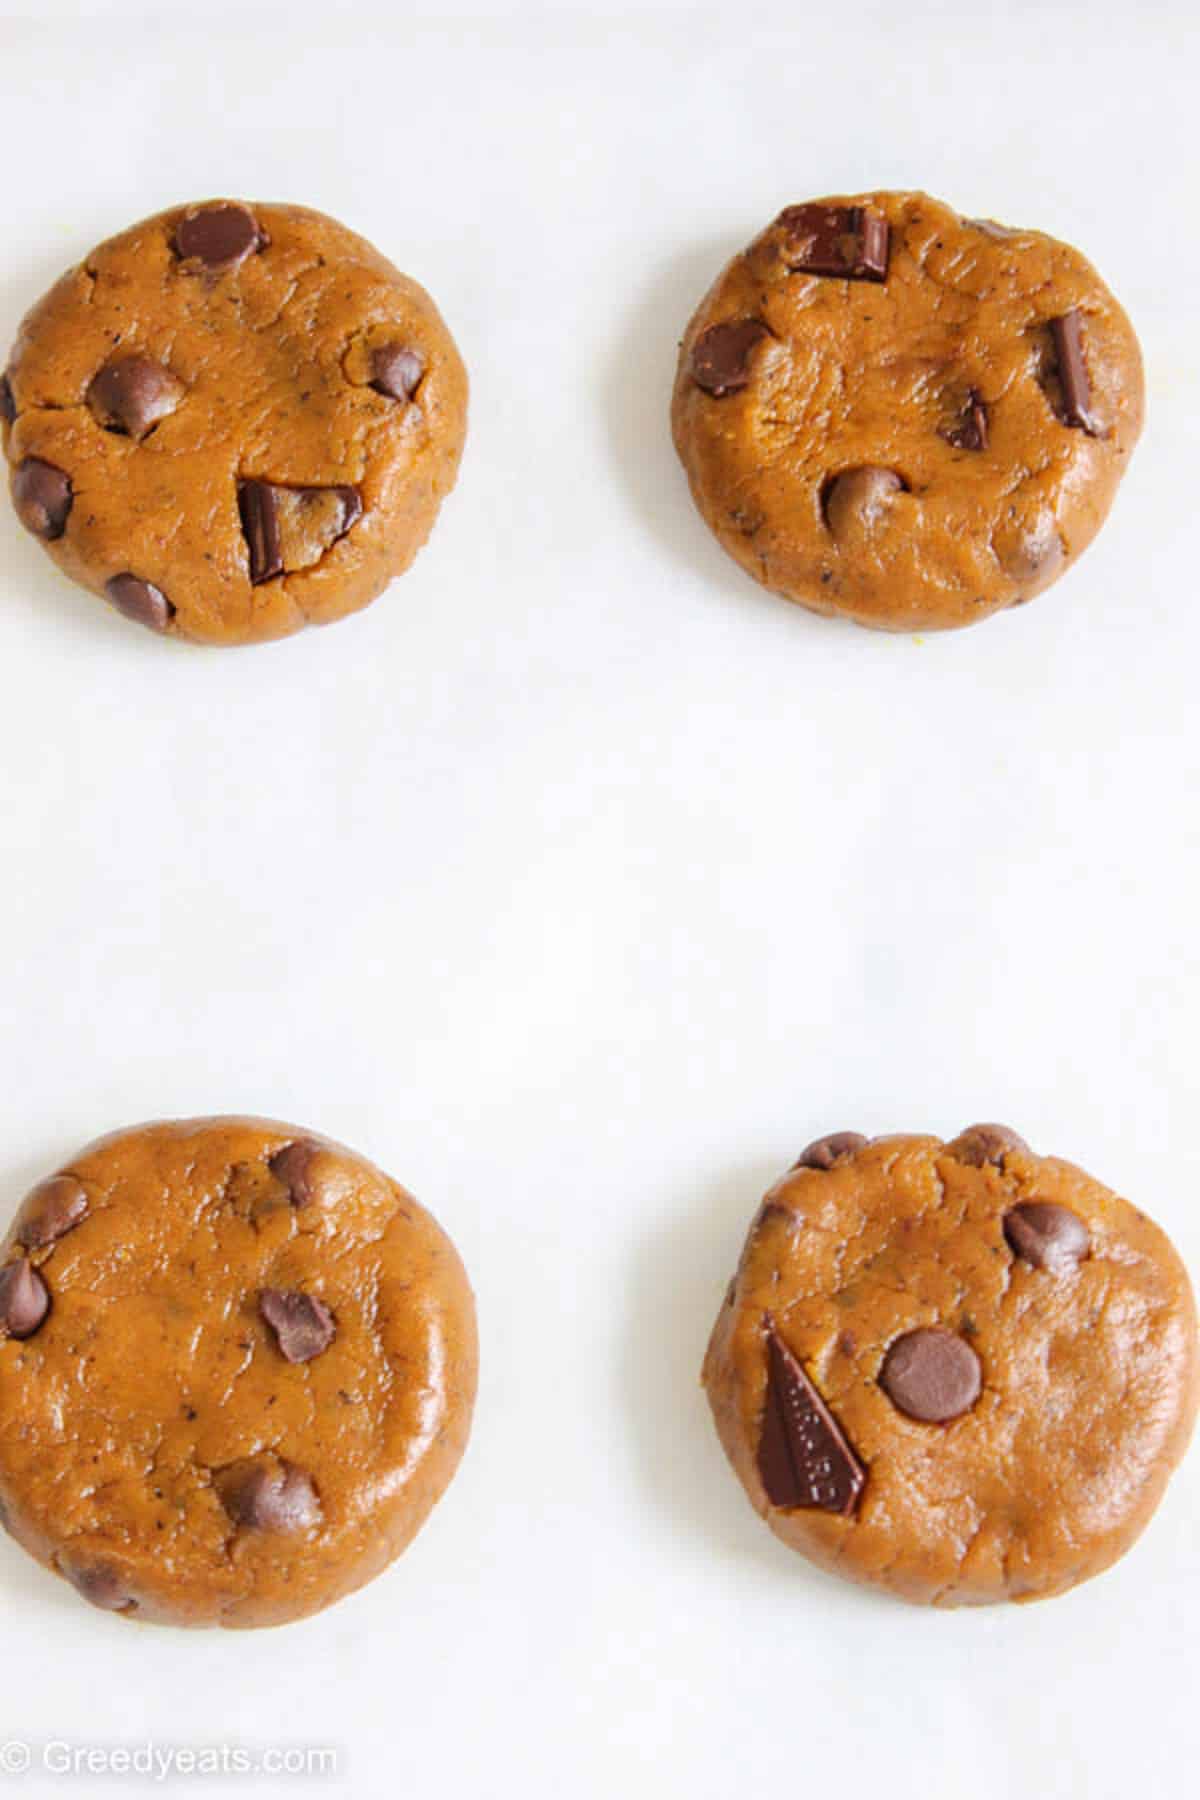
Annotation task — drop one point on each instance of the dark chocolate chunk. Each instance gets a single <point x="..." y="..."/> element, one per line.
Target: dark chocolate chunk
<point x="1067" y="334"/>
<point x="8" y="406"/>
<point x="50" y="1210"/>
<point x="971" y="432"/>
<point x="396" y="371"/>
<point x="293" y="1166"/>
<point x="803" y="1456"/>
<point x="218" y="236"/>
<point x="931" y="1374"/>
<point x="266" y="1494"/>
<point x="260" y="523"/>
<point x="103" y="1585"/>
<point x="42" y="496"/>
<point x="980" y="1144"/>
<point x="24" y="1300"/>
<point x="720" y="360"/>
<point x="140" y="600"/>
<point x="132" y="393"/>
<point x="303" y="1325"/>
<point x="829" y="1150"/>
<point x="1047" y="1235"/>
<point x="847" y="241"/>
<point x="859" y="499"/>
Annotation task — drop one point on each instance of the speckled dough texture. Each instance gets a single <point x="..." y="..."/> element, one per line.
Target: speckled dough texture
<point x="877" y="382"/>
<point x="157" y="1446"/>
<point x="1088" y="1370"/>
<point x="264" y="367"/>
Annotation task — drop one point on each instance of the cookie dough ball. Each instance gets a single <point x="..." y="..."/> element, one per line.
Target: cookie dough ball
<point x="233" y="420"/>
<point x="237" y="1366"/>
<point x="913" y="419"/>
<point x="960" y="1372"/>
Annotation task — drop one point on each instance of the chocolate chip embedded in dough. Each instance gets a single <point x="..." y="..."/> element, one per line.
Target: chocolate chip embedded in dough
<point x="24" y="1299"/>
<point x="288" y="529"/>
<point x="293" y="1165"/>
<point x="826" y="1151"/>
<point x="260" y="525"/>
<point x="721" y="357"/>
<point x="1066" y="333"/>
<point x="8" y="406"/>
<point x="848" y="241"/>
<point x="859" y="500"/>
<point x="50" y="1210"/>
<point x="931" y="1374"/>
<point x="267" y="1494"/>
<point x="1046" y="1235"/>
<point x="396" y="371"/>
<point x="219" y="236"/>
<point x="303" y="1325"/>
<point x="42" y="496"/>
<point x="971" y="431"/>
<point x="103" y="1585"/>
<point x="140" y="601"/>
<point x="131" y="394"/>
<point x="980" y="1144"/>
<point x="803" y="1456"/>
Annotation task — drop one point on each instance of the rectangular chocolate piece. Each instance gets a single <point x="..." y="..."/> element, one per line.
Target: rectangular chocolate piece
<point x="260" y="523"/>
<point x="847" y="241"/>
<point x="1067" y="334"/>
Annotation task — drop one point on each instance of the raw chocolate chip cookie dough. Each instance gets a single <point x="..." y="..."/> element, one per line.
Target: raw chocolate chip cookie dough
<point x="237" y="1366"/>
<point x="961" y="1372"/>
<point x="233" y="420"/>
<point x="910" y="418"/>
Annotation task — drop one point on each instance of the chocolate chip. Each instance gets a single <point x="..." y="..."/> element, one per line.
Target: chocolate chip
<point x="140" y="601"/>
<point x="824" y="1152"/>
<point x="293" y="1166"/>
<point x="8" y="406"/>
<point x="103" y="1585"/>
<point x="50" y="1210"/>
<point x="971" y="432"/>
<point x="1046" y="1235"/>
<point x="260" y="523"/>
<point x="1029" y="549"/>
<point x="803" y="1457"/>
<point x="218" y="236"/>
<point x="858" y="500"/>
<point x="42" y="496"/>
<point x="24" y="1299"/>
<point x="267" y="1495"/>
<point x="1067" y="336"/>
<point x="720" y="360"/>
<point x="847" y="241"/>
<point x="980" y="1144"/>
<point x="290" y="528"/>
<point x="303" y="1325"/>
<point x="931" y="1374"/>
<point x="132" y="393"/>
<point x="396" y="371"/>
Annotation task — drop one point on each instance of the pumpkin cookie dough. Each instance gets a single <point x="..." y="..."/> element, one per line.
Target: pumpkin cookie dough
<point x="233" y="420"/>
<point x="958" y="1371"/>
<point x="237" y="1367"/>
<point x="906" y="417"/>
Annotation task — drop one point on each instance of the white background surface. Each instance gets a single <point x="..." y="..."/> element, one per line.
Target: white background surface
<point x="580" y="883"/>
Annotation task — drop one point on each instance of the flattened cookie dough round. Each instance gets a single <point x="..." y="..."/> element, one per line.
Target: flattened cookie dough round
<point x="237" y="1367"/>
<point x="233" y="420"/>
<point x="906" y="417"/>
<point x="957" y="1371"/>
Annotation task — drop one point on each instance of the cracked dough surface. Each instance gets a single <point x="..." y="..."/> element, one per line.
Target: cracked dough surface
<point x="854" y="374"/>
<point x="154" y="1371"/>
<point x="273" y="360"/>
<point x="1089" y="1377"/>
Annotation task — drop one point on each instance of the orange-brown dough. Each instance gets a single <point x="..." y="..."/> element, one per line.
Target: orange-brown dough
<point x="237" y="1367"/>
<point x="233" y="420"/>
<point x="910" y="418"/>
<point x="958" y="1371"/>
